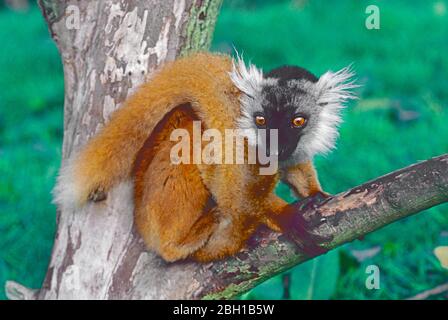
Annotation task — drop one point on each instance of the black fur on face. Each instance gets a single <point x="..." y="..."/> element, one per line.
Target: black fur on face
<point x="279" y="112"/>
<point x="280" y="107"/>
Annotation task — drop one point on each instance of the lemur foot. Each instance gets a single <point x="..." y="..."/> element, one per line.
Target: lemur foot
<point x="300" y="229"/>
<point x="97" y="195"/>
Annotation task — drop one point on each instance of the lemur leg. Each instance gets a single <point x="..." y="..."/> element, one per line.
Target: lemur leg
<point x="172" y="206"/>
<point x="303" y="180"/>
<point x="227" y="239"/>
<point x="239" y="209"/>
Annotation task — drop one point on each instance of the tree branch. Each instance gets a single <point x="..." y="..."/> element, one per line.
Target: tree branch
<point x="346" y="217"/>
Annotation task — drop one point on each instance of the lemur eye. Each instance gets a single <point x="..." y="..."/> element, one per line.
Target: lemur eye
<point x="260" y="120"/>
<point x="298" y="122"/>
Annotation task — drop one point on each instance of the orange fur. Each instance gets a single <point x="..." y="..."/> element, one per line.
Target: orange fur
<point x="200" y="79"/>
<point x="201" y="211"/>
<point x="170" y="200"/>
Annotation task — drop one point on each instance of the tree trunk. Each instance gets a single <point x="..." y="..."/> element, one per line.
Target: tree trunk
<point x="108" y="48"/>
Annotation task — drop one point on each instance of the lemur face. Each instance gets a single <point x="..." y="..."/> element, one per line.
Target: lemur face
<point x="287" y="107"/>
<point x="303" y="108"/>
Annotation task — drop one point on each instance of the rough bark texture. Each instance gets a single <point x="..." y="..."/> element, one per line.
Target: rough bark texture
<point x="97" y="254"/>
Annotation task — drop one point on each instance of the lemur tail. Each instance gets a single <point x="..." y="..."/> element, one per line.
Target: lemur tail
<point x="109" y="156"/>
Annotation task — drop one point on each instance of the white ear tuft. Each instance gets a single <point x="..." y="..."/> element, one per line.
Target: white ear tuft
<point x="333" y="89"/>
<point x="248" y="79"/>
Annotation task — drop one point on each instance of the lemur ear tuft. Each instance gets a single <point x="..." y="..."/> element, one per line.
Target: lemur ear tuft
<point x="336" y="87"/>
<point x="333" y="90"/>
<point x="248" y="79"/>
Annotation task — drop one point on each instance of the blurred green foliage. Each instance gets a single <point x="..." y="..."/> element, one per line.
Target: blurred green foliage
<point x="313" y="280"/>
<point x="401" y="118"/>
<point x="31" y="120"/>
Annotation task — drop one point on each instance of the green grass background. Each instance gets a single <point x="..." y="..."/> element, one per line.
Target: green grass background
<point x="401" y="118"/>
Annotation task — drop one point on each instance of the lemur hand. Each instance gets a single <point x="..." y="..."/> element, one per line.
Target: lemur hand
<point x="299" y="229"/>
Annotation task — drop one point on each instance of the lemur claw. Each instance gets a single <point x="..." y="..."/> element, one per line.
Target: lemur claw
<point x="97" y="195"/>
